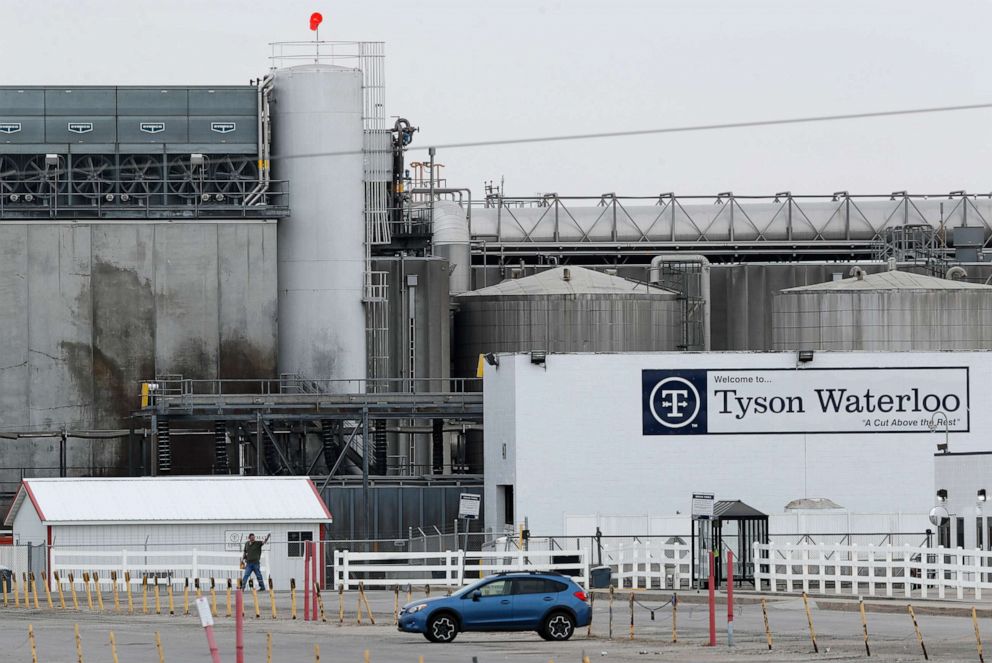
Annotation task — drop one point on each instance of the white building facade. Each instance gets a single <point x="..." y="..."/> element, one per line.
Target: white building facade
<point x="170" y="527"/>
<point x="579" y="436"/>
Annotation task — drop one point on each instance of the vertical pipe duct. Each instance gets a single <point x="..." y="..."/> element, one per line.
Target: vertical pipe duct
<point x="654" y="277"/>
<point x="452" y="241"/>
<point x="317" y="110"/>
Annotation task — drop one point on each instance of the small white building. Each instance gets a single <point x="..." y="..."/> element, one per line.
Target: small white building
<point x="174" y="527"/>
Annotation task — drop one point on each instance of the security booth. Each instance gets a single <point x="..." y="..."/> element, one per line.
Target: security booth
<point x="733" y="526"/>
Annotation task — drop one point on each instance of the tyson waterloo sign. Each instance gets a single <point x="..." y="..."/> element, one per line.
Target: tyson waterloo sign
<point x="805" y="400"/>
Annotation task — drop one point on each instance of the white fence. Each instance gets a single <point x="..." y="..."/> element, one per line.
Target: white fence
<point x="450" y="568"/>
<point x="167" y="566"/>
<point x="907" y="571"/>
<point x="651" y="565"/>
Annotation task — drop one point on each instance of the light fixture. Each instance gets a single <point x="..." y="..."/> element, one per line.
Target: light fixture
<point x="805" y="356"/>
<point x="982" y="495"/>
<point x="538" y="358"/>
<point x="197" y="160"/>
<point x="840" y="194"/>
<point x="941" y="495"/>
<point x="491" y="359"/>
<point x="51" y="160"/>
<point x="942" y="447"/>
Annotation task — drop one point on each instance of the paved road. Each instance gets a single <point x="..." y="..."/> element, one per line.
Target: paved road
<point x="839" y="637"/>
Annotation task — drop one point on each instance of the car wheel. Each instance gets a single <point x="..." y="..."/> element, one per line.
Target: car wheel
<point x="541" y="632"/>
<point x="441" y="628"/>
<point x="558" y="626"/>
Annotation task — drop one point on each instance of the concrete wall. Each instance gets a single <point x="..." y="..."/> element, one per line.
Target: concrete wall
<point x="575" y="442"/>
<point x="90" y="309"/>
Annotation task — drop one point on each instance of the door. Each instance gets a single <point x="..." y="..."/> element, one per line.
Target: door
<point x="494" y="607"/>
<point x="532" y="598"/>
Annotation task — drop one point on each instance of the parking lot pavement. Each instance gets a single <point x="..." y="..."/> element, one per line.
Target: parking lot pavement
<point x="839" y="636"/>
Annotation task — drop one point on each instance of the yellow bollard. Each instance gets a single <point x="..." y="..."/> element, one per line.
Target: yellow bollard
<point x="89" y="594"/>
<point x="340" y="605"/>
<point x="268" y="648"/>
<point x="919" y="636"/>
<point x="241" y="589"/>
<point x="158" y="599"/>
<point x="420" y="659"/>
<point x="864" y="624"/>
<point x="99" y="593"/>
<point x="316" y="653"/>
<point x="48" y="592"/>
<point x="113" y="590"/>
<point x="34" y="649"/>
<point x="186" y="596"/>
<point x="254" y="598"/>
<point x="79" y="644"/>
<point x="768" y="630"/>
<point x="366" y="656"/>
<point x="675" y="618"/>
<point x="27" y="590"/>
<point x="213" y="595"/>
<point x="320" y="602"/>
<point x="158" y="646"/>
<point x="272" y="599"/>
<point x="368" y="608"/>
<point x="978" y="636"/>
<point x="396" y="605"/>
<point x="58" y="586"/>
<point x="228" y="599"/>
<point x="127" y="588"/>
<point x="34" y="591"/>
<point x="358" y="598"/>
<point x="409" y="593"/>
<point x="292" y="598"/>
<point x="72" y="590"/>
<point x="427" y="591"/>
<point x="631" y="615"/>
<point x="144" y="594"/>
<point x="4" y="583"/>
<point x="611" y="613"/>
<point x="172" y="599"/>
<point x="809" y="619"/>
<point x="592" y="602"/>
<point x="196" y="586"/>
<point x="113" y="647"/>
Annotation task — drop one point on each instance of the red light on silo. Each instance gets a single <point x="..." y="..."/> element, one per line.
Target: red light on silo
<point x="315" y="20"/>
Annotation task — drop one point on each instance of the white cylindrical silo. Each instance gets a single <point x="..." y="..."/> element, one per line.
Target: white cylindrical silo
<point x="317" y="110"/>
<point x="452" y="240"/>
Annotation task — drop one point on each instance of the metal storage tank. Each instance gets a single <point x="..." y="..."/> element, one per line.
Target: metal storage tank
<point x="565" y="309"/>
<point x="317" y="110"/>
<point x="891" y="310"/>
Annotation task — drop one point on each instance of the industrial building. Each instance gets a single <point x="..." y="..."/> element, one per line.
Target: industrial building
<point x="260" y="280"/>
<point x="172" y="527"/>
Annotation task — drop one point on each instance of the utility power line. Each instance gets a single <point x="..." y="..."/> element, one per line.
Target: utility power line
<point x="668" y="130"/>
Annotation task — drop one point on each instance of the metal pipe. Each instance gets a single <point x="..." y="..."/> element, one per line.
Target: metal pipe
<point x="452" y="240"/>
<point x="654" y="277"/>
<point x="264" y="139"/>
<point x="956" y="271"/>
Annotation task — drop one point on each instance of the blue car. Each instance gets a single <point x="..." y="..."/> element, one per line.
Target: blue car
<point x="549" y="603"/>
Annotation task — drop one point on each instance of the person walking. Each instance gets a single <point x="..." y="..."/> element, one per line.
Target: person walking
<point x="252" y="558"/>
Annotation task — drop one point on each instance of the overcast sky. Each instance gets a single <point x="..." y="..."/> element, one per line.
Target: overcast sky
<point x="490" y="69"/>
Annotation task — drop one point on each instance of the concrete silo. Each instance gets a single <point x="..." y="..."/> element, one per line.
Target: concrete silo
<point x="891" y="310"/>
<point x="317" y="126"/>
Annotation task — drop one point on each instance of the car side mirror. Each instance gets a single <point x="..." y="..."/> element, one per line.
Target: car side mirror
<point x="476" y="595"/>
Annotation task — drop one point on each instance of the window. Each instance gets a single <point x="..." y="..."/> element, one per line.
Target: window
<point x="296" y="542"/>
<point x="960" y="532"/>
<point x="507" y="503"/>
<point x="496" y="588"/>
<point x="537" y="586"/>
<point x="978" y="532"/>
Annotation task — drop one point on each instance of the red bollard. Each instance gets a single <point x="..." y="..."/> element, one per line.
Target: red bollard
<point x="730" y="598"/>
<point x="207" y="621"/>
<point x="712" y="599"/>
<point x="315" y="579"/>
<point x="239" y="627"/>
<point x="306" y="581"/>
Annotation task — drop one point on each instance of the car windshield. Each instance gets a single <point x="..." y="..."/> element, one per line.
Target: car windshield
<point x="467" y="590"/>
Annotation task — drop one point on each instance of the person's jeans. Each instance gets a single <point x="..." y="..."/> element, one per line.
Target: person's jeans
<point x="252" y="567"/>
